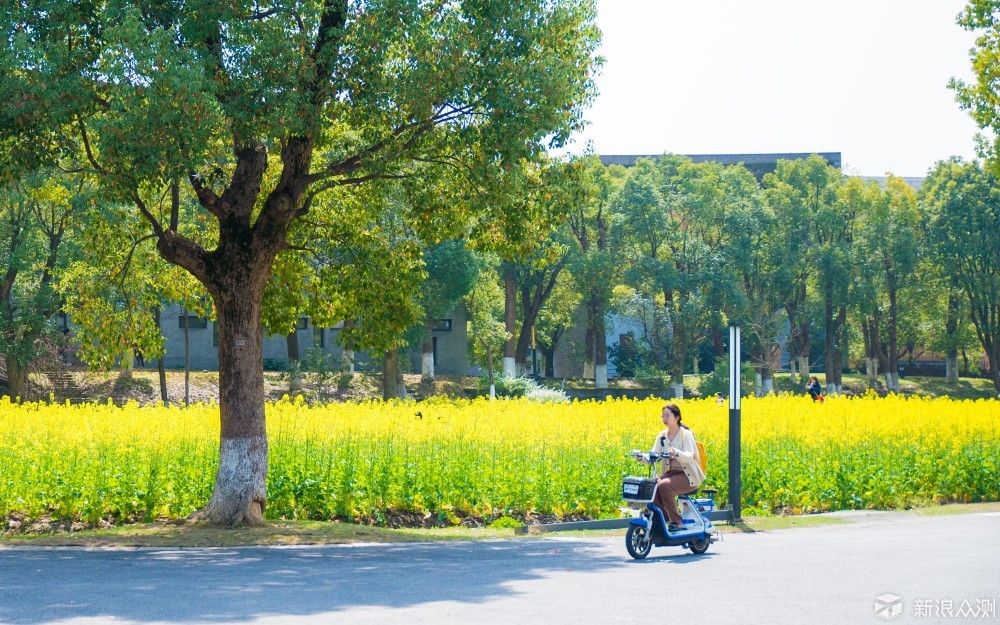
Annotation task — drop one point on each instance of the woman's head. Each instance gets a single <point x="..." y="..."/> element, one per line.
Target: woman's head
<point x="671" y="412"/>
<point x="813" y="380"/>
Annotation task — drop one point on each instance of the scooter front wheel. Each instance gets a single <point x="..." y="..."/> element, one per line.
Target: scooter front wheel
<point x="638" y="542"/>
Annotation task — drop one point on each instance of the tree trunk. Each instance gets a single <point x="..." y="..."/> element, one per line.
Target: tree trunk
<point x="893" y="351"/>
<point x="679" y="356"/>
<point x="161" y="369"/>
<point x="548" y="356"/>
<point x="951" y="366"/>
<point x="294" y="364"/>
<point x="392" y="376"/>
<point x="870" y="373"/>
<point x="510" y="321"/>
<point x="600" y="347"/>
<point x="840" y="349"/>
<point x="347" y="355"/>
<point x="588" y="355"/>
<point x="17" y="380"/>
<point x="427" y="356"/>
<point x="240" y="492"/>
<point x="187" y="358"/>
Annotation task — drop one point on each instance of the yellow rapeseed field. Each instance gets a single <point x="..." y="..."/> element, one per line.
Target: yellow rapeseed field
<point x="452" y="458"/>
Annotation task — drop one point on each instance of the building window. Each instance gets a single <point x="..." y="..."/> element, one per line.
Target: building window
<point x="303" y="323"/>
<point x="441" y="325"/>
<point x="319" y="339"/>
<point x="194" y="323"/>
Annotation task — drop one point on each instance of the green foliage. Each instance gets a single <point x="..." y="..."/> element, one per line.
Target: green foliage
<point x="36" y="243"/>
<point x="630" y="355"/>
<point x="506" y="386"/>
<point x="962" y="221"/>
<point x="718" y="380"/>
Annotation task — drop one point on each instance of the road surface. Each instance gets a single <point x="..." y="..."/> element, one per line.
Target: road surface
<point x="910" y="568"/>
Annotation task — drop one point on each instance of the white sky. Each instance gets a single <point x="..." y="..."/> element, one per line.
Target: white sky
<point x="866" y="78"/>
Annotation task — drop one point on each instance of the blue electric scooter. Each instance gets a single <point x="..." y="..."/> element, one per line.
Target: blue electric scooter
<point x="649" y="529"/>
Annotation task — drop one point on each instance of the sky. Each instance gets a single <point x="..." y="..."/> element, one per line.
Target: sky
<point x="866" y="78"/>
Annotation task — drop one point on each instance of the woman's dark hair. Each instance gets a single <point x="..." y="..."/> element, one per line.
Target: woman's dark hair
<point x="677" y="413"/>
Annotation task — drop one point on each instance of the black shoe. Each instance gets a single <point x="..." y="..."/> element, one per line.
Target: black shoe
<point x="673" y="527"/>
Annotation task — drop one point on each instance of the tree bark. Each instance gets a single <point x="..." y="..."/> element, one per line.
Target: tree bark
<point x="17" y="380"/>
<point x="427" y="356"/>
<point x="893" y="351"/>
<point x="240" y="492"/>
<point x="392" y="376"/>
<point x="951" y="327"/>
<point x="600" y="345"/>
<point x="294" y="363"/>
<point x="161" y="368"/>
<point x="187" y="359"/>
<point x="510" y="321"/>
<point x="347" y="355"/>
<point x="588" y="357"/>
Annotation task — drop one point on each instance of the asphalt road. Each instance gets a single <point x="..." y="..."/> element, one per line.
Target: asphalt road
<point x="829" y="574"/>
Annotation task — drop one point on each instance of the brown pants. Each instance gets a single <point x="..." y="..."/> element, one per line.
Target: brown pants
<point x="672" y="484"/>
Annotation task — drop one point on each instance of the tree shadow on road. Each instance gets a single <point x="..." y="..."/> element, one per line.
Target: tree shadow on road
<point x="220" y="585"/>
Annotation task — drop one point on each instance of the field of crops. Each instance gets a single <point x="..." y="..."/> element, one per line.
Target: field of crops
<point x="452" y="459"/>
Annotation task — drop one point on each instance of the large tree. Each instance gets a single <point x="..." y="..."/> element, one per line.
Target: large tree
<point x="886" y="258"/>
<point x="797" y="191"/>
<point x="962" y="220"/>
<point x="261" y="107"/>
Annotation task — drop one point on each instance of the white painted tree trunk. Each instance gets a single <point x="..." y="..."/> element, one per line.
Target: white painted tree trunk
<point x="951" y="369"/>
<point x="758" y="385"/>
<point x="793" y="376"/>
<point x="678" y="391"/>
<point x="831" y="389"/>
<point x="804" y="367"/>
<point x="601" y="376"/>
<point x="347" y="361"/>
<point x="427" y="367"/>
<point x="871" y="369"/>
<point x="509" y="367"/>
<point x="892" y="382"/>
<point x="493" y="391"/>
<point x="588" y="371"/>
<point x="241" y="482"/>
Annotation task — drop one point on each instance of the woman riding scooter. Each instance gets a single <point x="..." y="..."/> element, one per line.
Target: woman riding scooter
<point x="680" y="472"/>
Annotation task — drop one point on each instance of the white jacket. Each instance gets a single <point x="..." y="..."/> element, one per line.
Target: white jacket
<point x="687" y="454"/>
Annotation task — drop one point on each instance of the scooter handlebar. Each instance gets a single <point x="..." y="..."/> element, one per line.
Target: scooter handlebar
<point x="648" y="457"/>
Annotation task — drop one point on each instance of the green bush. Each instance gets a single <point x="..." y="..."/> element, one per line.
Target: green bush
<point x="718" y="380"/>
<point x="509" y="386"/>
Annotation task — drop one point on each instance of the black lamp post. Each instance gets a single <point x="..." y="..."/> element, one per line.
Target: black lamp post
<point x="735" y="395"/>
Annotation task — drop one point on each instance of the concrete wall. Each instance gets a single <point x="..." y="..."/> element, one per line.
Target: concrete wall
<point x="452" y="346"/>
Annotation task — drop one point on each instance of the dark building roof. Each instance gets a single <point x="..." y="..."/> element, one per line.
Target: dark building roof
<point x="758" y="164"/>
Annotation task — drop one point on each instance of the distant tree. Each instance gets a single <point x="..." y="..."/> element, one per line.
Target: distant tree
<point x="485" y="305"/>
<point x="887" y="245"/>
<point x="36" y="215"/>
<point x="594" y="262"/>
<point x="797" y="191"/>
<point x="555" y="318"/>
<point x="961" y="205"/>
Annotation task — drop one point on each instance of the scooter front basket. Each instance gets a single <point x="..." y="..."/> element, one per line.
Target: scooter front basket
<point x="638" y="489"/>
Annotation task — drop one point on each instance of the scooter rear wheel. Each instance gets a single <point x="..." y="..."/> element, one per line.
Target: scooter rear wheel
<point x="638" y="542"/>
<point x="699" y="546"/>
